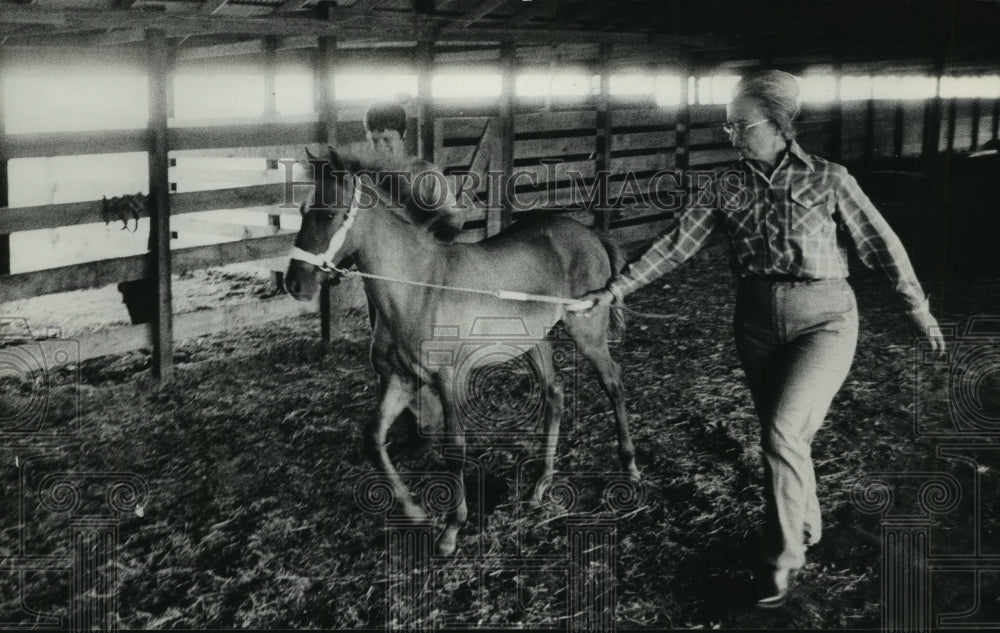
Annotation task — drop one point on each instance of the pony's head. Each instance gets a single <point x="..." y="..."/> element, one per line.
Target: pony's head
<point x="325" y="237"/>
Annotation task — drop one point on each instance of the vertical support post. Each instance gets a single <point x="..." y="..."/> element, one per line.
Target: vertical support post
<point x="932" y="129"/>
<point x="323" y="89"/>
<point x="683" y="122"/>
<point x="270" y="72"/>
<point x="507" y="63"/>
<point x="950" y="132"/>
<point x="602" y="213"/>
<point x="271" y="114"/>
<point x="869" y="154"/>
<point x="836" y="45"/>
<point x="930" y="142"/>
<point x="996" y="119"/>
<point x="425" y="100"/>
<point x="897" y="129"/>
<point x="976" y="113"/>
<point x="327" y="133"/>
<point x="837" y="124"/>
<point x="159" y="194"/>
<point x="4" y="181"/>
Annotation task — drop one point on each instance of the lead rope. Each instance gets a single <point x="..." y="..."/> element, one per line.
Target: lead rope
<point x="325" y="263"/>
<point x="500" y="294"/>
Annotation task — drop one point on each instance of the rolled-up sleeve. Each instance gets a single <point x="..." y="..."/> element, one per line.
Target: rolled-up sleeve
<point x="683" y="238"/>
<point x="876" y="244"/>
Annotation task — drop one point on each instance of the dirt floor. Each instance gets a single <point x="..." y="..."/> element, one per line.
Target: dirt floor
<point x="251" y="510"/>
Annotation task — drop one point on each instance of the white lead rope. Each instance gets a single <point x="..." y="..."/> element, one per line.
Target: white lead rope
<point x="571" y="304"/>
<point x="325" y="263"/>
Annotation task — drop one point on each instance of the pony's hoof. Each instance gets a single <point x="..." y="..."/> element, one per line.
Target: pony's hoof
<point x="447" y="542"/>
<point x="634" y="475"/>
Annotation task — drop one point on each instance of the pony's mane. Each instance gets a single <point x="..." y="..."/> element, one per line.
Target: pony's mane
<point x="365" y="159"/>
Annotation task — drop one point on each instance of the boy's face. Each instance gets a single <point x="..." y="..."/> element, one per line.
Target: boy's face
<point x="387" y="142"/>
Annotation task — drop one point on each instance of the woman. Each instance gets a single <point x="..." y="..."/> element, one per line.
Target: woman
<point x="796" y="320"/>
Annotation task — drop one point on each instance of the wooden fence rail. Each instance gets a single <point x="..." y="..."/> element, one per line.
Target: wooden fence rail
<point x="631" y="140"/>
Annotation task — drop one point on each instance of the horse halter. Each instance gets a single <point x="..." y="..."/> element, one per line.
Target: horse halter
<point x="325" y="261"/>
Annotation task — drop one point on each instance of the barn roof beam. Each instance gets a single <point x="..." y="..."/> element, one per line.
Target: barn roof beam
<point x="291" y="5"/>
<point x="344" y="23"/>
<point x="478" y="12"/>
<point x="537" y="9"/>
<point x="211" y="7"/>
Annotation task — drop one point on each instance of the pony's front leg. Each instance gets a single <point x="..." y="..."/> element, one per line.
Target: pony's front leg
<point x="453" y="449"/>
<point x="396" y="395"/>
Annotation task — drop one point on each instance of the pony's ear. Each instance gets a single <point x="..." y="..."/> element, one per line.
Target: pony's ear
<point x="312" y="153"/>
<point x="336" y="162"/>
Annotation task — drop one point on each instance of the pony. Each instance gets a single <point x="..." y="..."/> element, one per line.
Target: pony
<point x="411" y="280"/>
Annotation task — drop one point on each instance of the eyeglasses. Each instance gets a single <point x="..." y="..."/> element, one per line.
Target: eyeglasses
<point x="735" y="127"/>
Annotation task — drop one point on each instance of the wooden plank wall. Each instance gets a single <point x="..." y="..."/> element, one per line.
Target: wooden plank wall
<point x="554" y="144"/>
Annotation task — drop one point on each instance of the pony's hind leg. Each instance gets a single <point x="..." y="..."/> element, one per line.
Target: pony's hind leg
<point x="542" y="356"/>
<point x="396" y="395"/>
<point x="453" y="450"/>
<point x="610" y="376"/>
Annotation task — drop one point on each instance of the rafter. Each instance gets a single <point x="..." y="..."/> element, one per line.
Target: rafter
<point x="291" y="5"/>
<point x="211" y="7"/>
<point x="478" y="12"/>
<point x="536" y="9"/>
<point x="638" y="9"/>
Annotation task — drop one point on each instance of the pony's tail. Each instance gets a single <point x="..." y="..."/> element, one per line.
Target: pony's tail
<point x="617" y="259"/>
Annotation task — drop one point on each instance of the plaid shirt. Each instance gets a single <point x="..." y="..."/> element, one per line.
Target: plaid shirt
<point x="798" y="222"/>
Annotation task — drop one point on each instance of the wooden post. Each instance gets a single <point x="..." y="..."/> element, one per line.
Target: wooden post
<point x="897" y="129"/>
<point x="159" y="194"/>
<point x="933" y="107"/>
<point x="683" y="122"/>
<point x="996" y="119"/>
<point x="869" y="154"/>
<point x="425" y="72"/>
<point x="836" y="35"/>
<point x="975" y="124"/>
<point x="323" y="89"/>
<point x="270" y="72"/>
<point x="950" y="138"/>
<point x="271" y="115"/>
<point x="602" y="212"/>
<point x="507" y="62"/>
<point x="327" y="111"/>
<point x="4" y="182"/>
<point x="425" y="100"/>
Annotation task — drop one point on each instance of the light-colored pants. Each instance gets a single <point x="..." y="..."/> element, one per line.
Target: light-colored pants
<point x="796" y="341"/>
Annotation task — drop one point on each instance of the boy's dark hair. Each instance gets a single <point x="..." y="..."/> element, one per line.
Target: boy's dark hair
<point x="386" y="115"/>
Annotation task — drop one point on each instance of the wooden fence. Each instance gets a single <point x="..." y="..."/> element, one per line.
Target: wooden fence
<point x="557" y="150"/>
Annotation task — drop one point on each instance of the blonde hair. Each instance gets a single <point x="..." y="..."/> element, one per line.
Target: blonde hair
<point x="776" y="93"/>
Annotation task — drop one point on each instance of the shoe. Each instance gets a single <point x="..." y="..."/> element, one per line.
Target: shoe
<point x="807" y="538"/>
<point x="773" y="588"/>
